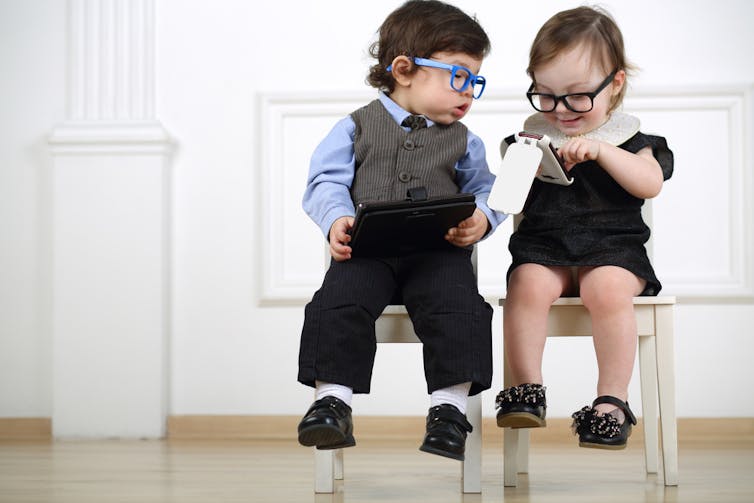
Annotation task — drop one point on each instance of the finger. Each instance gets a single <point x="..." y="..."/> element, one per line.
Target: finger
<point x="340" y="257"/>
<point x="340" y="248"/>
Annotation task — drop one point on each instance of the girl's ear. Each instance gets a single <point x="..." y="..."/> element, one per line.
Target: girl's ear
<point x="402" y="70"/>
<point x="618" y="81"/>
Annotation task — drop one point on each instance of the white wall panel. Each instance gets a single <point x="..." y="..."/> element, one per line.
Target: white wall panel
<point x="290" y="127"/>
<point x="702" y="221"/>
<point x="704" y="202"/>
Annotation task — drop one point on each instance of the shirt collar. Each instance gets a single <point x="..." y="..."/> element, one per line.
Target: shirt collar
<point x="618" y="129"/>
<point x="395" y="110"/>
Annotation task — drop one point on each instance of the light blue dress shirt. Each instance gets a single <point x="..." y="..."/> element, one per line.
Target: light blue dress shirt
<point x="333" y="165"/>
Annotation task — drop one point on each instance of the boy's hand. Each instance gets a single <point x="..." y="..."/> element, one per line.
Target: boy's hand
<point x="469" y="231"/>
<point x="339" y="239"/>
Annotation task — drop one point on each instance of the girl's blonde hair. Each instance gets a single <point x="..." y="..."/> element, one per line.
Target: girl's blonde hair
<point x="591" y="27"/>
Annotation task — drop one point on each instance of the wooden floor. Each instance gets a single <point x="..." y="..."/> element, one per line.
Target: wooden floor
<point x="279" y="471"/>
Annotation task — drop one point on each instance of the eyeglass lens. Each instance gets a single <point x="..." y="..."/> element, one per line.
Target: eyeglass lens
<point x="460" y="78"/>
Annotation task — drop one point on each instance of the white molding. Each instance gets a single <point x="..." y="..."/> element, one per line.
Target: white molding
<point x="103" y="137"/>
<point x="110" y="285"/>
<point x="111" y="85"/>
<point x="111" y="60"/>
<point x="280" y="286"/>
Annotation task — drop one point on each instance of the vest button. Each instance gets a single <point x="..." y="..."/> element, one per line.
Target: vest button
<point x="409" y="145"/>
<point x="404" y="177"/>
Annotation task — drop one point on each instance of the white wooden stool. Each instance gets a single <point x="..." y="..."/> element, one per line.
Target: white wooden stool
<point x="654" y="319"/>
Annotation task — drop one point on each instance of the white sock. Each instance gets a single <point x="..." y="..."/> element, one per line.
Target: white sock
<point x="337" y="390"/>
<point x="457" y="395"/>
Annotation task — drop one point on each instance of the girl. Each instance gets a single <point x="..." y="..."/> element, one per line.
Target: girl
<point x="588" y="238"/>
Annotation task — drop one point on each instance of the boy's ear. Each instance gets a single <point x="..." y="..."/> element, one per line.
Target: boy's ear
<point x="402" y="66"/>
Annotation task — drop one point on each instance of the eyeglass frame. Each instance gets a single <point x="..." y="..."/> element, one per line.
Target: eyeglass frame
<point x="563" y="97"/>
<point x="471" y="78"/>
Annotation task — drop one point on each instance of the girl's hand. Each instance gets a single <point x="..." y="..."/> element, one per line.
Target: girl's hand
<point x="469" y="231"/>
<point x="339" y="239"/>
<point x="639" y="174"/>
<point x="578" y="150"/>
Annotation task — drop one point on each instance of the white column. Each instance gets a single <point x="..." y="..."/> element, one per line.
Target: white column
<point x="110" y="162"/>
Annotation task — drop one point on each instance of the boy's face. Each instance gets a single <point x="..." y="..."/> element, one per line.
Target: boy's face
<point x="428" y="91"/>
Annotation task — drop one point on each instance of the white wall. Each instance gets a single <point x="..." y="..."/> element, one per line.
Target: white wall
<point x="245" y="91"/>
<point x="32" y="100"/>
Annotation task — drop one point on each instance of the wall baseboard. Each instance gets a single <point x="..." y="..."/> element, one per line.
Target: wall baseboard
<point x="25" y="428"/>
<point x="691" y="431"/>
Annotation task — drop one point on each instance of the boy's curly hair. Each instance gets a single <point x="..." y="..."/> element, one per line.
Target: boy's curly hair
<point x="420" y="28"/>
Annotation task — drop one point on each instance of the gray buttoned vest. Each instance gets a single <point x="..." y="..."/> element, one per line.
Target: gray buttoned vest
<point x="389" y="160"/>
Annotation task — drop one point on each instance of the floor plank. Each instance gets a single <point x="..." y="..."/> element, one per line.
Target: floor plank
<point x="281" y="471"/>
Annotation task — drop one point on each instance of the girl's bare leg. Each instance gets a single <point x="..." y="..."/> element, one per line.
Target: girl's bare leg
<point x="532" y="288"/>
<point x="607" y="293"/>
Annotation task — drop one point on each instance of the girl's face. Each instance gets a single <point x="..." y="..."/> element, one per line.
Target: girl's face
<point x="573" y="72"/>
<point x="428" y="91"/>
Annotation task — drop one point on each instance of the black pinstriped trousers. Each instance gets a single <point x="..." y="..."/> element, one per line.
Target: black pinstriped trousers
<point x="439" y="290"/>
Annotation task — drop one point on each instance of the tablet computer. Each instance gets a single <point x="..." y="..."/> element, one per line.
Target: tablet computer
<point x="396" y="228"/>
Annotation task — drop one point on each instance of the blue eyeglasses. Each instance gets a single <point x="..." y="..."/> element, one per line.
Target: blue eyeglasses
<point x="460" y="76"/>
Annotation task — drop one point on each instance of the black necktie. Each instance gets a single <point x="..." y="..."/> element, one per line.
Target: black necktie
<point x="414" y="122"/>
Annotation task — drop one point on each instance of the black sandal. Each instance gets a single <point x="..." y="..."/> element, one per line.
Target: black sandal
<point x="522" y="406"/>
<point x="603" y="431"/>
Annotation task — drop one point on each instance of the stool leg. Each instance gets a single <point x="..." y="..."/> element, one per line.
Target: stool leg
<point x="515" y="444"/>
<point x="666" y="386"/>
<point x="472" y="464"/>
<point x="524" y="437"/>
<point x="510" y="456"/>
<point x="323" y="463"/>
<point x="648" y="377"/>
<point x="338" y="464"/>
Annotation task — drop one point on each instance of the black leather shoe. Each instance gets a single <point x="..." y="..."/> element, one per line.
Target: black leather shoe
<point x="446" y="432"/>
<point x="522" y="406"/>
<point x="327" y="425"/>
<point x="603" y="431"/>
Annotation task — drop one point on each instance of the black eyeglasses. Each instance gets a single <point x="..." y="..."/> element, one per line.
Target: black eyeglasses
<point x="575" y="102"/>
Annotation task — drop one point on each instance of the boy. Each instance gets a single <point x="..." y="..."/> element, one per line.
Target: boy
<point x="428" y="58"/>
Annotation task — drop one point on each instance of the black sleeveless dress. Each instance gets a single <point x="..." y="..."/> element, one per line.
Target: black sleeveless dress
<point x="592" y="222"/>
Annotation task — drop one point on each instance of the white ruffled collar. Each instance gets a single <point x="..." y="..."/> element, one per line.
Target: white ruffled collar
<point x="618" y="128"/>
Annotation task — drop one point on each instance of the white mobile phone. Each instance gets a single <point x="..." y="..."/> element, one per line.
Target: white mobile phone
<point x="515" y="176"/>
<point x="553" y="170"/>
